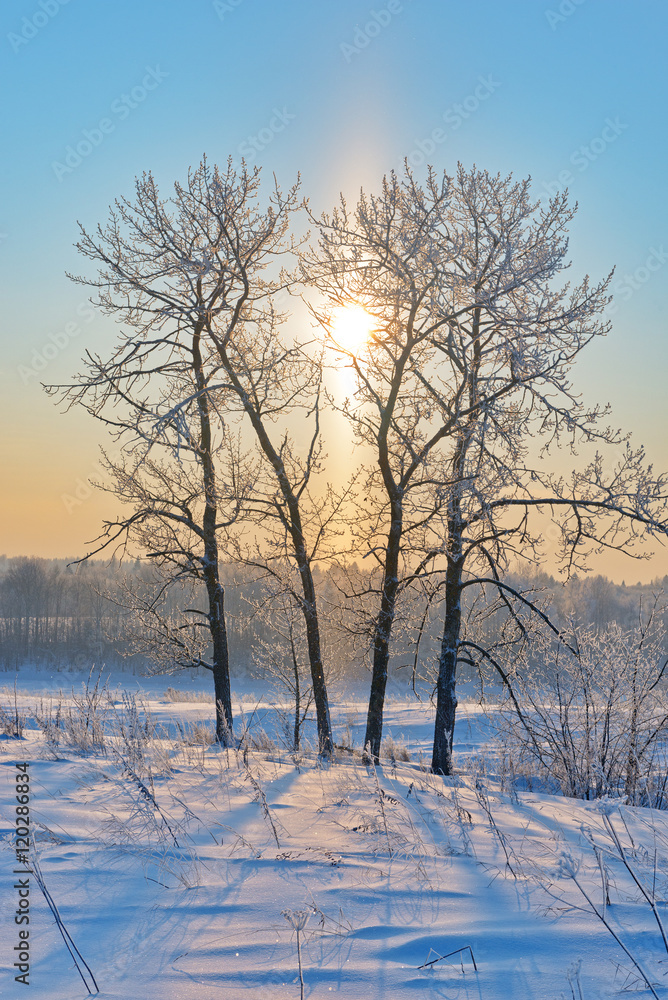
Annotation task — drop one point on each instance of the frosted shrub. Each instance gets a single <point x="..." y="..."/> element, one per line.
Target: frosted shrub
<point x="593" y="718"/>
<point x="12" y="722"/>
<point x="134" y="728"/>
<point x="81" y="725"/>
<point x="393" y="750"/>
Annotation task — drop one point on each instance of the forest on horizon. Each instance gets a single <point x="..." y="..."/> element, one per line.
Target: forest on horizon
<point x="53" y="612"/>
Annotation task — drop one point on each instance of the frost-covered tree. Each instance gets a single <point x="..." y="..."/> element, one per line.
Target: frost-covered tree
<point x="154" y="394"/>
<point x="463" y="391"/>
<point x="192" y="278"/>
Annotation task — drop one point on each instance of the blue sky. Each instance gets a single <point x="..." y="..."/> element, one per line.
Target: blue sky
<point x="567" y="92"/>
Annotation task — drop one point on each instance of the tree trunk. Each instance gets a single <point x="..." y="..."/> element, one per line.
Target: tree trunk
<point x="325" y="741"/>
<point x="631" y="782"/>
<point x="446" y="697"/>
<point x="294" y="524"/>
<point x="381" y="640"/>
<point x="295" y="667"/>
<point x="210" y="568"/>
<point x="308" y="605"/>
<point x="446" y="686"/>
<point x="221" y="663"/>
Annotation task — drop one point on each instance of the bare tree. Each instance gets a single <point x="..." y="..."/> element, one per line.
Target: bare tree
<point x="468" y="364"/>
<point x="193" y="278"/>
<point x="508" y="357"/>
<point x="162" y="268"/>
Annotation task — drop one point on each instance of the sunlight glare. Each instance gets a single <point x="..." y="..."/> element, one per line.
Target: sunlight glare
<point x="351" y="327"/>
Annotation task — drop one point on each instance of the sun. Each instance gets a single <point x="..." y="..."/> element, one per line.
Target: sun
<point x="351" y="327"/>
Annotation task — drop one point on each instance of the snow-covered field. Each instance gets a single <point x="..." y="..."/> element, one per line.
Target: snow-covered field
<point x="172" y="863"/>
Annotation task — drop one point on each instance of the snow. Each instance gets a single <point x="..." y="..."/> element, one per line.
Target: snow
<point x="396" y="866"/>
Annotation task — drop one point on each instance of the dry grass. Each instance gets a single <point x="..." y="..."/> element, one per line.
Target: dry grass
<point x="196" y="734"/>
<point x="393" y="750"/>
<point x="176" y="695"/>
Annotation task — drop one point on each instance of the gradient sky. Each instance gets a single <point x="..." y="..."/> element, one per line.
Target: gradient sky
<point x="570" y="92"/>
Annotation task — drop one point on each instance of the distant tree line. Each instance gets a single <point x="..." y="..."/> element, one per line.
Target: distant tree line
<point x="53" y="613"/>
